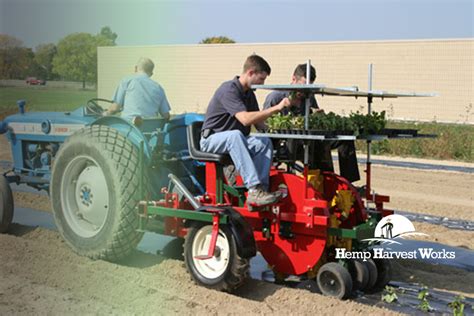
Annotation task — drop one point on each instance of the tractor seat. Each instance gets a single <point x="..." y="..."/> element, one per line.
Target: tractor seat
<point x="194" y="136"/>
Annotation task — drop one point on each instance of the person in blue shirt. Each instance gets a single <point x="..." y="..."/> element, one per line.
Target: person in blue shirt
<point x="138" y="96"/>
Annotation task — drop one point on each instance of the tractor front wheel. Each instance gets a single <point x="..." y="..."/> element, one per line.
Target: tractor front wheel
<point x="334" y="280"/>
<point x="226" y="270"/>
<point x="94" y="192"/>
<point x="6" y="205"/>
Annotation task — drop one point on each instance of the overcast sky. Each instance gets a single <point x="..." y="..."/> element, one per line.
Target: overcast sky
<point x="151" y="22"/>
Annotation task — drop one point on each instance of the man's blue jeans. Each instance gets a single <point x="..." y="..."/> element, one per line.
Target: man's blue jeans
<point x="252" y="156"/>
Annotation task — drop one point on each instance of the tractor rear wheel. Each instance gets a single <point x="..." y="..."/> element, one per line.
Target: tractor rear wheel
<point x="94" y="192"/>
<point x="334" y="280"/>
<point x="226" y="270"/>
<point x="6" y="205"/>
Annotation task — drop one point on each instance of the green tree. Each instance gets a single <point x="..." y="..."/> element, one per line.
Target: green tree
<point x="15" y="59"/>
<point x="217" y="40"/>
<point x="44" y="55"/>
<point x="76" y="57"/>
<point x="106" y="32"/>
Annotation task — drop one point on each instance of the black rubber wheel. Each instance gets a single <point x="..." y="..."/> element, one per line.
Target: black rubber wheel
<point x="360" y="275"/>
<point x="334" y="280"/>
<point x="6" y="205"/>
<point x="384" y="273"/>
<point x="94" y="191"/>
<point x="373" y="274"/>
<point x="225" y="271"/>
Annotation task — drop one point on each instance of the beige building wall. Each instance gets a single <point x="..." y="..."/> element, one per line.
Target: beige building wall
<point x="190" y="74"/>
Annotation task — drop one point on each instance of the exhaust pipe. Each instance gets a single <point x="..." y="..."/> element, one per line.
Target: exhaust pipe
<point x="180" y="186"/>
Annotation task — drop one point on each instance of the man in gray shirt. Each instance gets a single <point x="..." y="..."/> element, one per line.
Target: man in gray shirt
<point x="320" y="152"/>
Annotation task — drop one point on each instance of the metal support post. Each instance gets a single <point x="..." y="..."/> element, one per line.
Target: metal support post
<point x="369" y="145"/>
<point x="306" y="127"/>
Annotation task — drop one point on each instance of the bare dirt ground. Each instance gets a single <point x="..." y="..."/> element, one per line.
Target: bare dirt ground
<point x="441" y="193"/>
<point x="39" y="274"/>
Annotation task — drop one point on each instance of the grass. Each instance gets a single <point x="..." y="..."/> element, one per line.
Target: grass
<point x="454" y="142"/>
<point x="43" y="98"/>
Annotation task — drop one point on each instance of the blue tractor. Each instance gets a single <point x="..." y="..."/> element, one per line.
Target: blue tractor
<point x="94" y="169"/>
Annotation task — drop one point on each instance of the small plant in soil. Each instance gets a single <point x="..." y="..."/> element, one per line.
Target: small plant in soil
<point x="457" y="305"/>
<point x="423" y="297"/>
<point x="389" y="295"/>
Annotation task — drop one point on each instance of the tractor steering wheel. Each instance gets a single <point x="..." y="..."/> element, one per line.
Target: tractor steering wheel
<point x="94" y="108"/>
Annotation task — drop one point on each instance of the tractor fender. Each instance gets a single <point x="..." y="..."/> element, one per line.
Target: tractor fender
<point x="240" y="229"/>
<point x="127" y="130"/>
<point x="243" y="234"/>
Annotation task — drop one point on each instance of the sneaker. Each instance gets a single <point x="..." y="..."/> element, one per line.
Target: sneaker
<point x="230" y="174"/>
<point x="258" y="197"/>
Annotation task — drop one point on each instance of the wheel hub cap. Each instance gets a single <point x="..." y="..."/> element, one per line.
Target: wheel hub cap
<point x="84" y="196"/>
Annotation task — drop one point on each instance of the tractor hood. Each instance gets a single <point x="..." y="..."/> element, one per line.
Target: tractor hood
<point x="46" y="123"/>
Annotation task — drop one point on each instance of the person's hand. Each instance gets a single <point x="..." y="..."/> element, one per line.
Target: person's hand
<point x="318" y="111"/>
<point x="295" y="101"/>
<point x="285" y="103"/>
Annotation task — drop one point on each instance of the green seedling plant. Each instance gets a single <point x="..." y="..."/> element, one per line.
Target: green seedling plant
<point x="389" y="295"/>
<point x="272" y="123"/>
<point x="457" y="305"/>
<point x="357" y="123"/>
<point x="297" y="122"/>
<point x="345" y="124"/>
<point x="423" y="297"/>
<point x="368" y="124"/>
<point x="279" y="121"/>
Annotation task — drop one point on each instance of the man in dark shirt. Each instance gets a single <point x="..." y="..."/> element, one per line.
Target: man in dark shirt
<point x="231" y="112"/>
<point x="320" y="152"/>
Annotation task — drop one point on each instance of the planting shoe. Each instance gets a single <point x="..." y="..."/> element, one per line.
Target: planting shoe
<point x="259" y="197"/>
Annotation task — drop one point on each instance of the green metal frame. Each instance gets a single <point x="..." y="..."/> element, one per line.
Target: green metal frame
<point x="359" y="232"/>
<point x="219" y="185"/>
<point x="183" y="214"/>
<point x="235" y="192"/>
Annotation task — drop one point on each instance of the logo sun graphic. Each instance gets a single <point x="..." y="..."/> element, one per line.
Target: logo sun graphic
<point x="393" y="227"/>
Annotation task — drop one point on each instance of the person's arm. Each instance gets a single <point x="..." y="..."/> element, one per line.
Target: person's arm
<point x="164" y="107"/>
<point x="166" y="116"/>
<point x="315" y="106"/>
<point x="118" y="99"/>
<point x="257" y="117"/>
<point x="273" y="99"/>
